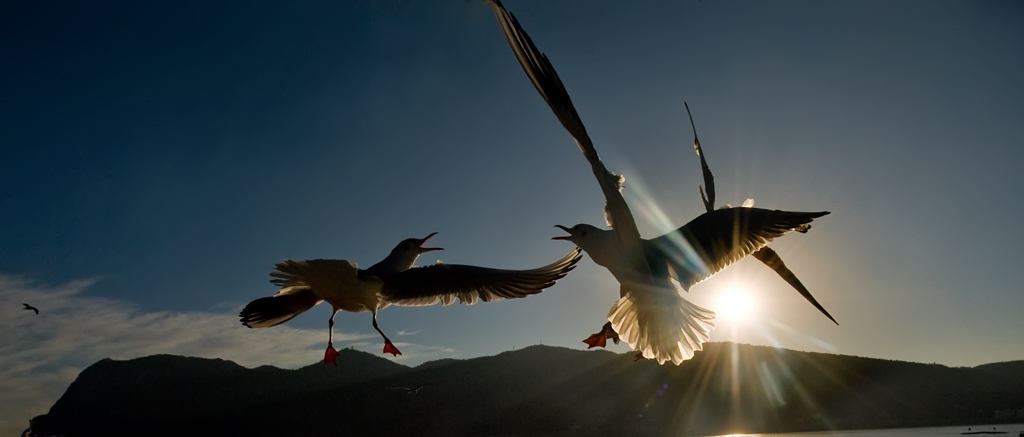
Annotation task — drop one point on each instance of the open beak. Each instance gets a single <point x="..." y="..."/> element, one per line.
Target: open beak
<point x="564" y="237"/>
<point x="428" y="249"/>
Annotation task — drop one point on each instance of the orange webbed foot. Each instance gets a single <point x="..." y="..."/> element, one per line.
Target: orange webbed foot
<point x="390" y="348"/>
<point x="331" y="355"/>
<point x="596" y="340"/>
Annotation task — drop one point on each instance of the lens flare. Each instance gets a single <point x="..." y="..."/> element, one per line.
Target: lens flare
<point x="734" y="304"/>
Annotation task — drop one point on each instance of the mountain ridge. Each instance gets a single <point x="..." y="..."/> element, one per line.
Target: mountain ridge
<point x="726" y="388"/>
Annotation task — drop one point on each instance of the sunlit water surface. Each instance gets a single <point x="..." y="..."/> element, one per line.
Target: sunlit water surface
<point x="1011" y="430"/>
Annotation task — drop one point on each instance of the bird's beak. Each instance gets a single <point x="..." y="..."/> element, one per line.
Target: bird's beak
<point x="424" y="240"/>
<point x="563" y="237"/>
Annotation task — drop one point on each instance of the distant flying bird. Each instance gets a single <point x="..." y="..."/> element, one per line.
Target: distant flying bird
<point x="30" y="307"/>
<point x="766" y="255"/>
<point x="650" y="314"/>
<point x="411" y="391"/>
<point x="393" y="280"/>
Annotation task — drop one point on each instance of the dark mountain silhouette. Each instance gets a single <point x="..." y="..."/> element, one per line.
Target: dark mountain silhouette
<point x="536" y="390"/>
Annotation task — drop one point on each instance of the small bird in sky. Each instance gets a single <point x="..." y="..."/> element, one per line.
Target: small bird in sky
<point x="393" y="280"/>
<point x="30" y="307"/>
<point x="650" y="313"/>
<point x="411" y="391"/>
<point x="766" y="255"/>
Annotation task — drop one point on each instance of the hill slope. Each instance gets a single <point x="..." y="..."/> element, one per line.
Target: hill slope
<point x="536" y="390"/>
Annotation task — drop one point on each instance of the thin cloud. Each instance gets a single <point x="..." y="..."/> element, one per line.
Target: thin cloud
<point x="42" y="354"/>
<point x="404" y="333"/>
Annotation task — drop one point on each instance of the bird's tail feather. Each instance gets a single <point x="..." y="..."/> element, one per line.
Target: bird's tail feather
<point x="275" y="310"/>
<point x="661" y="324"/>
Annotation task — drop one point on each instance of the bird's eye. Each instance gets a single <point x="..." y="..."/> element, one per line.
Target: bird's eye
<point x="584" y="233"/>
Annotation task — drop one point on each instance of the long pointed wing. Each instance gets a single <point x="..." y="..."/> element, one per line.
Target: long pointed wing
<point x="714" y="240"/>
<point x="771" y="259"/>
<point x="709" y="179"/>
<point x="275" y="310"/>
<point x="765" y="254"/>
<point x="545" y="79"/>
<point x="444" y="283"/>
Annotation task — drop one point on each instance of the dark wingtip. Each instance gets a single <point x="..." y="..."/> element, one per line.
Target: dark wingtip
<point x="817" y="305"/>
<point x="244" y="316"/>
<point x="770" y="258"/>
<point x="823" y="311"/>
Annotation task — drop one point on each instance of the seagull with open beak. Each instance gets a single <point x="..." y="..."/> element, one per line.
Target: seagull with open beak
<point x="393" y="280"/>
<point x="650" y="314"/>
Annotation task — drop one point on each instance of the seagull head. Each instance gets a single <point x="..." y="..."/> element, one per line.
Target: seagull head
<point x="582" y="235"/>
<point x="421" y="241"/>
<point x="599" y="243"/>
<point x="414" y="247"/>
<point x="404" y="255"/>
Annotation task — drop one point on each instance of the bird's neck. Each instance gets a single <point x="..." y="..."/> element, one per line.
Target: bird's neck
<point x="603" y="248"/>
<point x="394" y="263"/>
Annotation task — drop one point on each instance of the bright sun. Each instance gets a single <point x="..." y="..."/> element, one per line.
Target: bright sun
<point x="734" y="303"/>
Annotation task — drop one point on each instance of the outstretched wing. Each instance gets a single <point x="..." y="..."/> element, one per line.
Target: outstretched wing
<point x="771" y="259"/>
<point x="709" y="179"/>
<point x="765" y="254"/>
<point x="716" y="239"/>
<point x="545" y="79"/>
<point x="444" y="283"/>
<point x="275" y="310"/>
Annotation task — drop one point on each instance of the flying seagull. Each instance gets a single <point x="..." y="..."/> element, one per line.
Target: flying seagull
<point x="393" y="280"/>
<point x="650" y="314"/>
<point x="30" y="307"/>
<point x="411" y="391"/>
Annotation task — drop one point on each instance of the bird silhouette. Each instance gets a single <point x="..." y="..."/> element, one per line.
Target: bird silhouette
<point x="30" y="307"/>
<point x="650" y="313"/>
<point x="411" y="391"/>
<point x="393" y="280"/>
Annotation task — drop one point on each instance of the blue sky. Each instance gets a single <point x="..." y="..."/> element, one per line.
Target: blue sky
<point x="161" y="158"/>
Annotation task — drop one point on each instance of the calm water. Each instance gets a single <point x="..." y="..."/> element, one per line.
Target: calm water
<point x="1011" y="431"/>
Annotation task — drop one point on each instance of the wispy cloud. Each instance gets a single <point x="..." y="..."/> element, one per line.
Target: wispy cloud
<point x="404" y="333"/>
<point x="42" y="354"/>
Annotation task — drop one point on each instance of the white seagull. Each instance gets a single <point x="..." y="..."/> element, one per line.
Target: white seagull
<point x="650" y="314"/>
<point x="393" y="280"/>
